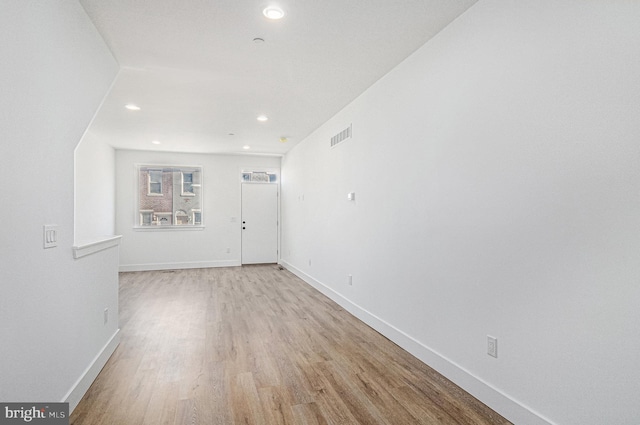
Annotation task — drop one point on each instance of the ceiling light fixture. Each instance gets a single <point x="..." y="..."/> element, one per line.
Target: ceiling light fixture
<point x="283" y="140"/>
<point x="132" y="107"/>
<point x="262" y="118"/>
<point x="258" y="40"/>
<point x="273" y="12"/>
<point x="155" y="142"/>
<point x="246" y="147"/>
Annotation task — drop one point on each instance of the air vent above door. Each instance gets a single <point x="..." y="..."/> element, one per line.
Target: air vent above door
<point x="342" y="136"/>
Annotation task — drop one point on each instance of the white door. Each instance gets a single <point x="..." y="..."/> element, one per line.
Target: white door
<point x="259" y="223"/>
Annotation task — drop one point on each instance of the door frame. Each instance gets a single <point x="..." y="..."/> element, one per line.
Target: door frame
<point x="275" y="171"/>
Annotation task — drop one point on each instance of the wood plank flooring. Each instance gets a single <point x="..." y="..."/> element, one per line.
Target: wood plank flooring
<point x="256" y="345"/>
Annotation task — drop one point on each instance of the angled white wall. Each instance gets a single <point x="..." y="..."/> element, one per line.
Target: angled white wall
<point x="55" y="70"/>
<point x="497" y="191"/>
<point x="95" y="190"/>
<point x="159" y="249"/>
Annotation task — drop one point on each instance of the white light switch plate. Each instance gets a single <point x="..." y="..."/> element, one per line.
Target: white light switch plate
<point x="50" y="235"/>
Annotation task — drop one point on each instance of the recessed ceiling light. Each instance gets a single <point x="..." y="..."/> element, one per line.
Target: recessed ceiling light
<point x="155" y="142"/>
<point x="246" y="147"/>
<point x="273" y="12"/>
<point x="262" y="118"/>
<point x="283" y="140"/>
<point x="132" y="107"/>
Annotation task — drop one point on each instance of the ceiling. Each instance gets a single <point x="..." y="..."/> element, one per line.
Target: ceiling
<point x="201" y="80"/>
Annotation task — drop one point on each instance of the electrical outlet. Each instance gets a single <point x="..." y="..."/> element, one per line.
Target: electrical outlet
<point x="492" y="346"/>
<point x="309" y="262"/>
<point x="349" y="279"/>
<point x="106" y="316"/>
<point x="228" y="250"/>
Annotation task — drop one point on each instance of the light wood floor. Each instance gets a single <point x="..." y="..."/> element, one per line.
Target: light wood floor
<point x="256" y="345"/>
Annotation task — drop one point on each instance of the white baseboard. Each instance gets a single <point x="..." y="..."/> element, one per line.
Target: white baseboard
<point x="498" y="401"/>
<point x="177" y="266"/>
<point x="83" y="383"/>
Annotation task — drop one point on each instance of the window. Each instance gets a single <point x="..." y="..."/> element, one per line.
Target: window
<point x="182" y="217"/>
<point x="162" y="218"/>
<point x="259" y="177"/>
<point x="155" y="182"/>
<point x="146" y="217"/>
<point x="187" y="184"/>
<point x="197" y="217"/>
<point x="169" y="196"/>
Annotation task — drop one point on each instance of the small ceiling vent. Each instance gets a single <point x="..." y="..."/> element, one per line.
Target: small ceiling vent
<point x="342" y="136"/>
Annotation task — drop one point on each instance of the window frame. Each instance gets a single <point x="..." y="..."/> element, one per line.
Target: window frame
<point x="171" y="199"/>
<point x="193" y="216"/>
<point x="150" y="182"/>
<point x="247" y="176"/>
<point x="184" y="192"/>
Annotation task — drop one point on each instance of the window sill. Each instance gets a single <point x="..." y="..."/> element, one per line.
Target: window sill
<point x="172" y="228"/>
<point x="87" y="248"/>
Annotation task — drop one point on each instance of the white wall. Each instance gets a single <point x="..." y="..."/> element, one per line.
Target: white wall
<point x="95" y="190"/>
<point x="55" y="70"/>
<point x="497" y="182"/>
<point x="170" y="249"/>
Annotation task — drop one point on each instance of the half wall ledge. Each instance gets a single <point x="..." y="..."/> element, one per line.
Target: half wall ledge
<point x="87" y="248"/>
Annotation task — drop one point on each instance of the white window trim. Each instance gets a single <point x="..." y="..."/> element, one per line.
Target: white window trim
<point x="167" y="227"/>
<point x="141" y="222"/>
<point x="193" y="216"/>
<point x="149" y="193"/>
<point x="268" y="172"/>
<point x="182" y="192"/>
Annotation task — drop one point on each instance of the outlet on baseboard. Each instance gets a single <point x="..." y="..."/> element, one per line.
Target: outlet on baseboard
<point x="492" y="346"/>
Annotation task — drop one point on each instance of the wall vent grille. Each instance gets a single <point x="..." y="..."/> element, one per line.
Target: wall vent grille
<point x="342" y="136"/>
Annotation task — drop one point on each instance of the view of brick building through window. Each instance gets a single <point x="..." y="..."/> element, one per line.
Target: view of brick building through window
<point x="169" y="196"/>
